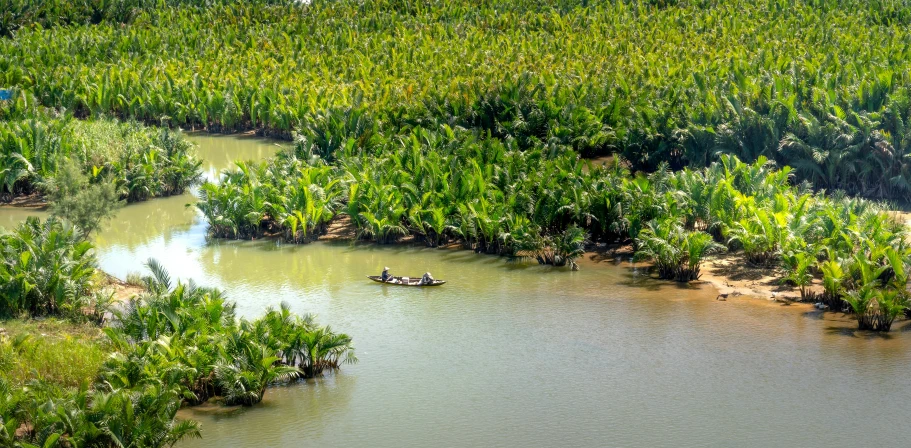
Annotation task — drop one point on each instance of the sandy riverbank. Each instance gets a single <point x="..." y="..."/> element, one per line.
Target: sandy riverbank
<point x="728" y="273"/>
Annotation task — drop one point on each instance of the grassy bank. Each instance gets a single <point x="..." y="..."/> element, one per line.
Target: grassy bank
<point x="57" y="351"/>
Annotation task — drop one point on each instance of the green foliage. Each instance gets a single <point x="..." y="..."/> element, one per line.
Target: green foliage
<point x="46" y="268"/>
<point x="438" y="186"/>
<point x="798" y="267"/>
<point x="87" y="206"/>
<point x="335" y="75"/>
<point x="57" y="351"/>
<point x="49" y="13"/>
<point x="454" y="185"/>
<point x="676" y="253"/>
<point x="177" y="344"/>
<point x="45" y="415"/>
<point x="258" y="197"/>
<point x="833" y="279"/>
<point x="189" y="336"/>
<point x="142" y="162"/>
<point x="45" y="369"/>
<point x="760" y="235"/>
<point x="879" y="287"/>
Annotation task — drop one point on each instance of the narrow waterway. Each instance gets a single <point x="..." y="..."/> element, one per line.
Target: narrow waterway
<point x="516" y="355"/>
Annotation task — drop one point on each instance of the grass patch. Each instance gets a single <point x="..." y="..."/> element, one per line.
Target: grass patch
<point x="58" y="351"/>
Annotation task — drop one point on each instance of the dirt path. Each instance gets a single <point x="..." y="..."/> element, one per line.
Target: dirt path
<point x="341" y="228"/>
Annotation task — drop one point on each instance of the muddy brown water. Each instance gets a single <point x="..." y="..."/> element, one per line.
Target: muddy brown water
<point x="516" y="355"/>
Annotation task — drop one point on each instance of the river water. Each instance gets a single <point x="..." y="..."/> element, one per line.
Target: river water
<point x="516" y="355"/>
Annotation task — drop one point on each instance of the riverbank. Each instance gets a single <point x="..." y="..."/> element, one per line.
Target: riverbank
<point x="727" y="273"/>
<point x="33" y="200"/>
<point x="122" y="290"/>
<point x="730" y="274"/>
<point x="52" y="368"/>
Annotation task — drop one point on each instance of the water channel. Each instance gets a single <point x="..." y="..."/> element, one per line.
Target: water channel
<point x="516" y="355"/>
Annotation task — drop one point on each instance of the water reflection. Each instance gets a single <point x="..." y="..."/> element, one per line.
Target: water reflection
<point x="219" y="152"/>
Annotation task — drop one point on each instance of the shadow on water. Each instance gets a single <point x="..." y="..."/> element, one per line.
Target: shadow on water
<point x="316" y="402"/>
<point x="640" y="277"/>
<point x="859" y="334"/>
<point x="815" y="315"/>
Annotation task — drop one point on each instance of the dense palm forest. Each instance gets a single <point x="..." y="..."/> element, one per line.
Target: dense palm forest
<point x="678" y="82"/>
<point x="458" y="122"/>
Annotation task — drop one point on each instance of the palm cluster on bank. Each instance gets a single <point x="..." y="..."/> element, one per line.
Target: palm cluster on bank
<point x="191" y="335"/>
<point x="46" y="268"/>
<point x="852" y="246"/>
<point x="440" y="187"/>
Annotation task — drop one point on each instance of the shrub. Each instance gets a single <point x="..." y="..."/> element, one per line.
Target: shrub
<point x="85" y="205"/>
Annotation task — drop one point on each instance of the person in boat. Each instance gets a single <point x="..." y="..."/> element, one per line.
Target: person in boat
<point x="386" y="277"/>
<point x="427" y="279"/>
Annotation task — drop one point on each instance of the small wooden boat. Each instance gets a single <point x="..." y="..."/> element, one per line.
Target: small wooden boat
<point x="404" y="281"/>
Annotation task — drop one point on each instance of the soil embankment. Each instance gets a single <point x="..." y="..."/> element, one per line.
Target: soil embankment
<point x="122" y="290"/>
<point x="33" y="200"/>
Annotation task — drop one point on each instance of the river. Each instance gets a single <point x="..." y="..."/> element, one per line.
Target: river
<point x="517" y="355"/>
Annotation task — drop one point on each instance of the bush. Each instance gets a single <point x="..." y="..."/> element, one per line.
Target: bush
<point x="879" y="292"/>
<point x="142" y="162"/>
<point x="191" y="334"/>
<point x="85" y="205"/>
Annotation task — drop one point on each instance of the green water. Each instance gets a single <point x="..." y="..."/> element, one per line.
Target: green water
<point x="517" y="355"/>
